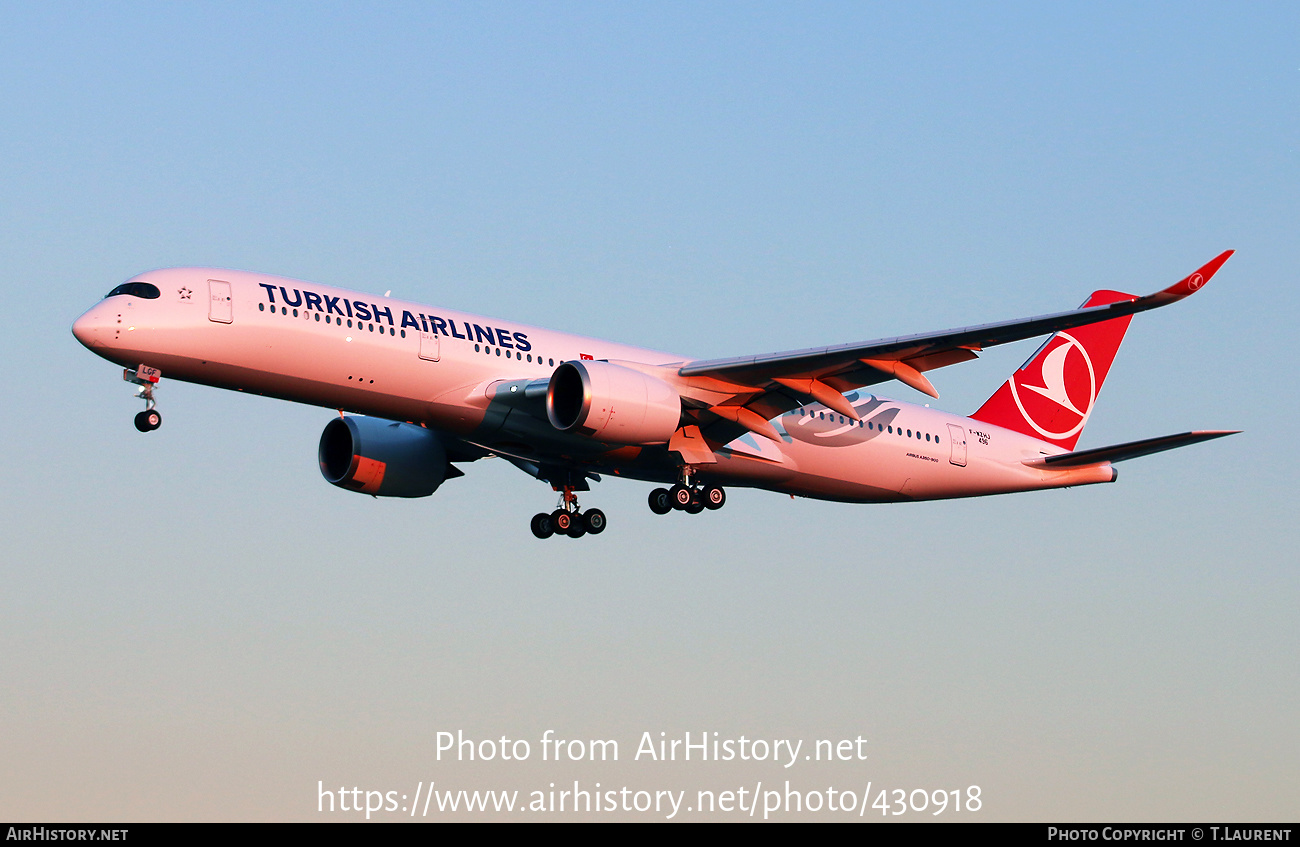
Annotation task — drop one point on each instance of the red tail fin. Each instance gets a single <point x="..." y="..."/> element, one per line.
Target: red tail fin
<point x="1051" y="395"/>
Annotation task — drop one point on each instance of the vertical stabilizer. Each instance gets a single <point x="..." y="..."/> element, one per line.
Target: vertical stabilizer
<point x="1051" y="395"/>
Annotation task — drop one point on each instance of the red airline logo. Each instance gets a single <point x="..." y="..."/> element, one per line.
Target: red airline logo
<point x="1059" y="404"/>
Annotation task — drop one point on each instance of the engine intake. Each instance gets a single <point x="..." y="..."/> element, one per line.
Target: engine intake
<point x="381" y="457"/>
<point x="612" y="403"/>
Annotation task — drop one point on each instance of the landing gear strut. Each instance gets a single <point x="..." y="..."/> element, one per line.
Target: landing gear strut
<point x="568" y="519"/>
<point x="687" y="497"/>
<point x="145" y="377"/>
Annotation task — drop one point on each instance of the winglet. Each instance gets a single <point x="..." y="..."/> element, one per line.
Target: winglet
<point x="1192" y="283"/>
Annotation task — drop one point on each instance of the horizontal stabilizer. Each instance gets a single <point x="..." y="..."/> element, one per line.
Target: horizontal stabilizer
<point x="1131" y="450"/>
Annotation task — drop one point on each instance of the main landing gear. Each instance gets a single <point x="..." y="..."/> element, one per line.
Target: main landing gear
<point x="568" y="519"/>
<point x="145" y="377"/>
<point x="687" y="498"/>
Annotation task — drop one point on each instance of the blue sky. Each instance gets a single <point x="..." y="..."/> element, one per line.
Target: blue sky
<point x="197" y="626"/>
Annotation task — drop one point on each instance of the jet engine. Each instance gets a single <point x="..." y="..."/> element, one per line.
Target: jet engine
<point x="383" y="458"/>
<point x="612" y="403"/>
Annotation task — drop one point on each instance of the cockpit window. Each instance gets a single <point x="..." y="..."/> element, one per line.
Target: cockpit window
<point x="136" y="289"/>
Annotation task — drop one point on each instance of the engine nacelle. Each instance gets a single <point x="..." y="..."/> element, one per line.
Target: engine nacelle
<point x="612" y="403"/>
<point x="383" y="458"/>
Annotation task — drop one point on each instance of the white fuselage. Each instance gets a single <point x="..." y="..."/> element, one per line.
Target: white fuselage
<point x="404" y="361"/>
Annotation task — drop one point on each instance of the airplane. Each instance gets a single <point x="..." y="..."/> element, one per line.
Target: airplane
<point x="430" y="389"/>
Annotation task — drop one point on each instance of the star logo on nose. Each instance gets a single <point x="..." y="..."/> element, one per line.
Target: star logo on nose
<point x="184" y="292"/>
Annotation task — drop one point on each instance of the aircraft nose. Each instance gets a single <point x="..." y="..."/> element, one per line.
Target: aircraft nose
<point x="87" y="329"/>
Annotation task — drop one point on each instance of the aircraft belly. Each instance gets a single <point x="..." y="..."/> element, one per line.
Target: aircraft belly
<point x="865" y="473"/>
<point x="887" y="470"/>
<point x="733" y="468"/>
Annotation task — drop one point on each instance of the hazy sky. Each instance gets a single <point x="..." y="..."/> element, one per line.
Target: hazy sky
<point x="196" y="626"/>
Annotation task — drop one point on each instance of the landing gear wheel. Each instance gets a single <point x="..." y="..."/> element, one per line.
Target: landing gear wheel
<point x="578" y="528"/>
<point x="681" y="496"/>
<point x="148" y="420"/>
<point x="542" y="525"/>
<point x="660" y="502"/>
<point x="713" y="497"/>
<point x="697" y="506"/>
<point x="594" y="520"/>
<point x="562" y="521"/>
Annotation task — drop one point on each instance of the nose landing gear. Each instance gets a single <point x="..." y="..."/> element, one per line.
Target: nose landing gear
<point x="146" y="378"/>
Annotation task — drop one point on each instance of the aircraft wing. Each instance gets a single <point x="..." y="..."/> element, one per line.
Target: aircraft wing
<point x="743" y="393"/>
